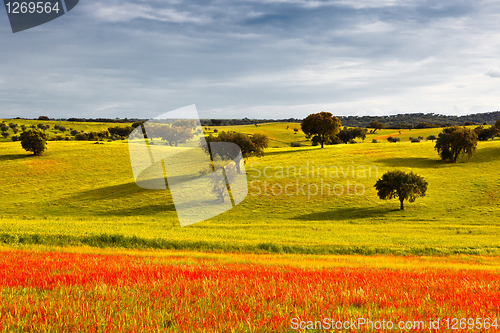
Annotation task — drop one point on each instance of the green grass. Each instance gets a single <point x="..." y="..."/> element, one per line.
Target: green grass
<point x="79" y="193"/>
<point x="280" y="136"/>
<point x="278" y="133"/>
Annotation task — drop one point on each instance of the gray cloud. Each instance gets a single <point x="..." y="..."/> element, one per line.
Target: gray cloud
<point x="493" y="73"/>
<point x="255" y="58"/>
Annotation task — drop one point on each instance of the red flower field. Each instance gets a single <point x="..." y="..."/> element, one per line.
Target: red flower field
<point x="67" y="292"/>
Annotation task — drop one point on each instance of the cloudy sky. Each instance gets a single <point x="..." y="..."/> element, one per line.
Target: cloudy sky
<point x="254" y="58"/>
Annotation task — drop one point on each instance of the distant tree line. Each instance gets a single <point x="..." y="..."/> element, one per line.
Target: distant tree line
<point x="399" y="121"/>
<point x="421" y="120"/>
<point x="88" y="120"/>
<point x="245" y="121"/>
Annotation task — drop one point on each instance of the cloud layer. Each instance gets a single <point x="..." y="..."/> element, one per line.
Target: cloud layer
<point x="255" y="58"/>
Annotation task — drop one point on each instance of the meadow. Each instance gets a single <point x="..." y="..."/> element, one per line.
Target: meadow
<point x="81" y="193"/>
<point x="85" y="249"/>
<point x="84" y="291"/>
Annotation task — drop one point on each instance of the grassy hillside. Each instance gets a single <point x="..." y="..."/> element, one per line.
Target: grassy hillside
<point x="81" y="193"/>
<point x="282" y="137"/>
<point x="51" y="132"/>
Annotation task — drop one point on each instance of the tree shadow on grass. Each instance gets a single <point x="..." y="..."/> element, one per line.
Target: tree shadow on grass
<point x="411" y="162"/>
<point x="151" y="209"/>
<point x="487" y="154"/>
<point x="122" y="191"/>
<point x="110" y="192"/>
<point x="14" y="157"/>
<point x="305" y="148"/>
<point x="350" y="213"/>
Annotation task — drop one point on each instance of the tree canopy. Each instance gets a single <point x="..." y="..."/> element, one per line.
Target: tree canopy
<point x="323" y="125"/>
<point x="249" y="145"/>
<point x="375" y="125"/>
<point x="455" y="141"/>
<point x="484" y="134"/>
<point x="497" y="124"/>
<point x="401" y="185"/>
<point x="174" y="134"/>
<point x="348" y="134"/>
<point x="34" y="140"/>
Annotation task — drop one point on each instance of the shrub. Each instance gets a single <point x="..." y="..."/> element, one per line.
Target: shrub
<point x="353" y="141"/>
<point x="393" y="139"/>
<point x="62" y="129"/>
<point x="93" y="136"/>
<point x="81" y="137"/>
<point x="348" y="134"/>
<point x="121" y="131"/>
<point x="74" y="132"/>
<point x="374" y="141"/>
<point x="4" y="127"/>
<point x="15" y="138"/>
<point x="334" y="140"/>
<point x="297" y="144"/>
<point x="431" y="137"/>
<point x="12" y="125"/>
<point x="59" y="137"/>
<point x="420" y="137"/>
<point x="216" y="130"/>
<point x="415" y="140"/>
<point x="5" y="134"/>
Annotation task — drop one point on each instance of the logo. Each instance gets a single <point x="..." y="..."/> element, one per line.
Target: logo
<point x="28" y="14"/>
<point x="204" y="179"/>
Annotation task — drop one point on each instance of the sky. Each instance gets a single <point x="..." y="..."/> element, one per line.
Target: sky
<point x="254" y="58"/>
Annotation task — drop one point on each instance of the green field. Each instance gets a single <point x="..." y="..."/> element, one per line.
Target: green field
<point x="80" y="193"/>
<point x="53" y="133"/>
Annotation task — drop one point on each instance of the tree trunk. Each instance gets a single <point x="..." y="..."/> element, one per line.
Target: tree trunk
<point x="402" y="205"/>
<point x="237" y="161"/>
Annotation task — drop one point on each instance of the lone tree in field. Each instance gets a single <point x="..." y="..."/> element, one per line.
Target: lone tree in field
<point x="455" y="141"/>
<point x="401" y="185"/>
<point x="375" y="125"/>
<point x="34" y="141"/>
<point x="323" y="125"/>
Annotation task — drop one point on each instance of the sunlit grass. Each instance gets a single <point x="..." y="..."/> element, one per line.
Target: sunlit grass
<point x="79" y="190"/>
